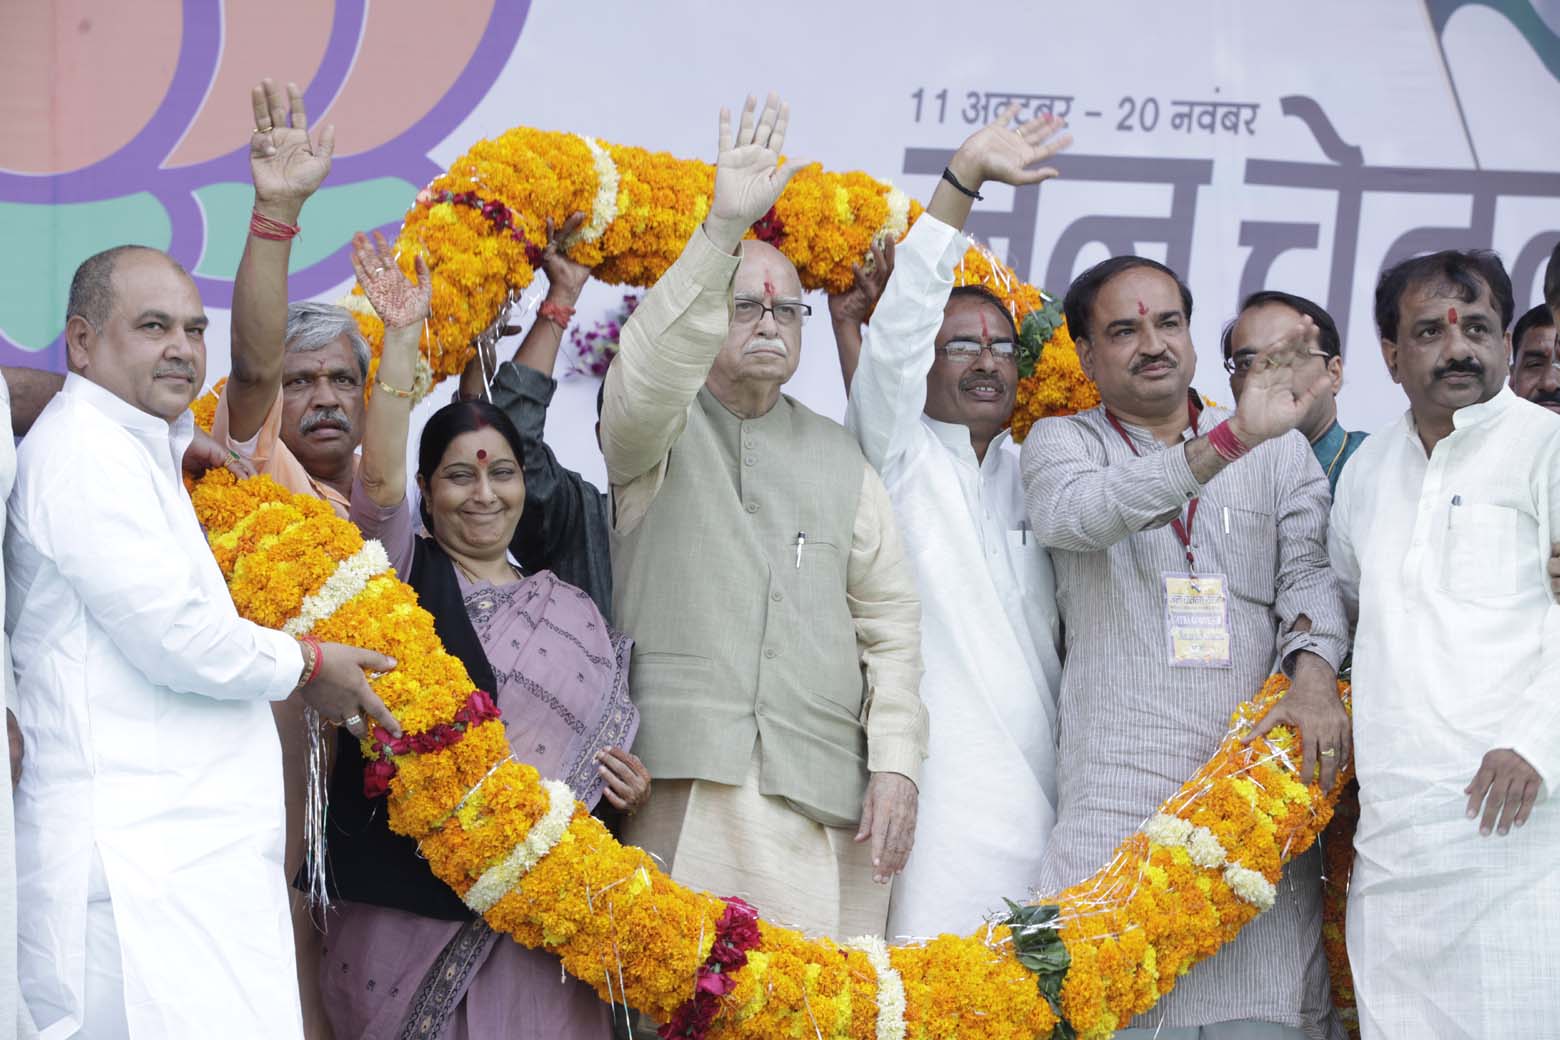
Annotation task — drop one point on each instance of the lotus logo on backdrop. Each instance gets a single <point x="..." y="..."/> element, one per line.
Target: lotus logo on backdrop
<point x="129" y="123"/>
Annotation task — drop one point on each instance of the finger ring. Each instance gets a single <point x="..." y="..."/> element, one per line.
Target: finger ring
<point x="262" y="129"/>
<point x="1329" y="752"/>
<point x="352" y="720"/>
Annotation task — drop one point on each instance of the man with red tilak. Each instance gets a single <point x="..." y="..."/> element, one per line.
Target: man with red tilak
<point x="1189" y="549"/>
<point x="1440" y="536"/>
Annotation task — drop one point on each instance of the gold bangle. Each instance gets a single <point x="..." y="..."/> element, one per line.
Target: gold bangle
<point x="387" y="388"/>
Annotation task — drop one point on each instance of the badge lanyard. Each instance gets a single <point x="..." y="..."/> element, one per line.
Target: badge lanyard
<point x="1183" y="531"/>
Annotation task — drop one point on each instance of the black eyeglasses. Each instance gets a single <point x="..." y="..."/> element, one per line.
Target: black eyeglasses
<point x="751" y="312"/>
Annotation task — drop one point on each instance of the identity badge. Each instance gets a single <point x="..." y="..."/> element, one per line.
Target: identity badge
<point x="1197" y="620"/>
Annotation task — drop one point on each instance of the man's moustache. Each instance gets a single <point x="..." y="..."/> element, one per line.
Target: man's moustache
<point x="766" y="343"/>
<point x="983" y="382"/>
<point x="1157" y="359"/>
<point x="333" y="417"/>
<point x="174" y="368"/>
<point x="1547" y="397"/>
<point x="1466" y="367"/>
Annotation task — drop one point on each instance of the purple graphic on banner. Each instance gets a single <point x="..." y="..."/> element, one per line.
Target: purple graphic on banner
<point x="142" y="166"/>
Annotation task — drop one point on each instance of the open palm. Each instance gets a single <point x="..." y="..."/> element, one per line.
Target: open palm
<point x="748" y="174"/>
<point x="398" y="302"/>
<point x="1000" y="152"/>
<point x="1281" y="385"/>
<point x="284" y="164"/>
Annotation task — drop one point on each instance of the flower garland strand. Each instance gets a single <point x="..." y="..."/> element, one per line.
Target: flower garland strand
<point x="1102" y="951"/>
<point x="478" y="225"/>
<point x="736" y="933"/>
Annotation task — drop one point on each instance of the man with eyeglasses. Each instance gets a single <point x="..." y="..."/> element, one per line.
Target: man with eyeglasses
<point x="1535" y="362"/>
<point x="930" y="397"/>
<point x="756" y="563"/>
<point x="1263" y="317"/>
<point x="1189" y="544"/>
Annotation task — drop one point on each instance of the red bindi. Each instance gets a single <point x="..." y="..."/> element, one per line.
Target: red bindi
<point x="1141" y="308"/>
<point x="1451" y="315"/>
<point x="481" y="454"/>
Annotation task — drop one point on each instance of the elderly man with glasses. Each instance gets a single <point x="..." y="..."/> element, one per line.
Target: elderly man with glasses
<point x="1263" y="317"/>
<point x="756" y="564"/>
<point x="930" y="397"/>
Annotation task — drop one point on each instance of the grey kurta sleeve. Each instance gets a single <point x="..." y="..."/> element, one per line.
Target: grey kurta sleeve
<point x="1080" y="501"/>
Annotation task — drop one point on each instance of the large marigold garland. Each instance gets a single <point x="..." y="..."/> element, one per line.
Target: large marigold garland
<point x="480" y="226"/>
<point x="540" y="868"/>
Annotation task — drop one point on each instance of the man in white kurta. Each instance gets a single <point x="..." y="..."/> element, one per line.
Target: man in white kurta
<point x="989" y="628"/>
<point x="149" y="817"/>
<point x="1456" y="676"/>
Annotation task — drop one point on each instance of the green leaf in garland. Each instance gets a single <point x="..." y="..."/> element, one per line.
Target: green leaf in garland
<point x="1034" y="332"/>
<point x="1037" y="942"/>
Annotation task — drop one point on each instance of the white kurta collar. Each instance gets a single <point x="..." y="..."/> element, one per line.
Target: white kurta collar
<point x="1484" y="411"/>
<point x="153" y="431"/>
<point x="956" y="438"/>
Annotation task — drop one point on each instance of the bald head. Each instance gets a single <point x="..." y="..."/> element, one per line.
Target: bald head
<point x="92" y="286"/>
<point x="765" y="271"/>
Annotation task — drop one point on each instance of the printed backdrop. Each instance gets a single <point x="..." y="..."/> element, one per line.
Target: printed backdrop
<point x="1295" y="146"/>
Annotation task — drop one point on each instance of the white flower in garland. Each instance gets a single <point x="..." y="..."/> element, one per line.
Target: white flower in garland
<point x="351" y="577"/>
<point x="898" y="221"/>
<point x="890" y="987"/>
<point x="1164" y="829"/>
<point x="604" y="209"/>
<point x="1250" y="886"/>
<point x="544" y="834"/>
<point x="1204" y="848"/>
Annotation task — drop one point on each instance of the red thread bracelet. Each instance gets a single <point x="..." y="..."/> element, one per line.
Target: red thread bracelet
<point x="316" y="655"/>
<point x="1223" y="440"/>
<point x="262" y="226"/>
<point x="556" y="313"/>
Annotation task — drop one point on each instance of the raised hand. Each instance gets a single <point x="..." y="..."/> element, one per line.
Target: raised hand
<point x="285" y="165"/>
<point x="565" y="278"/>
<point x="1000" y="152"/>
<point x="398" y="302"/>
<point x="854" y="305"/>
<point x="1281" y="386"/>
<point x="748" y="174"/>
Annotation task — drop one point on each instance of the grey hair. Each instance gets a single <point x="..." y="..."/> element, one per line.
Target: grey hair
<point x="311" y="326"/>
<point x="92" y="286"/>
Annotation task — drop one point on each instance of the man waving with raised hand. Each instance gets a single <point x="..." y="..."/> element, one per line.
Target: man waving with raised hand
<point x="929" y="404"/>
<point x="755" y="560"/>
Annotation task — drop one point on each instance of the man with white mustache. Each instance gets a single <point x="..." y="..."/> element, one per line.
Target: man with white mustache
<point x="757" y="565"/>
<point x="930" y="398"/>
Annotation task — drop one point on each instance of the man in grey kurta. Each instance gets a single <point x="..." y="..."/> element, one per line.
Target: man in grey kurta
<point x="1109" y="490"/>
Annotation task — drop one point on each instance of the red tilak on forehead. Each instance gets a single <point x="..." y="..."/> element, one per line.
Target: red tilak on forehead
<point x="481" y="454"/>
<point x="769" y="287"/>
<point x="985" y="333"/>
<point x="1451" y="315"/>
<point x="1142" y="309"/>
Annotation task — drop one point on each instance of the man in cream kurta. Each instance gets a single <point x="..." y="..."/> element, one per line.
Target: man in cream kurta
<point x="1440" y="535"/>
<point x="929" y="404"/>
<point x="756" y="564"/>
